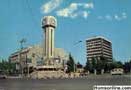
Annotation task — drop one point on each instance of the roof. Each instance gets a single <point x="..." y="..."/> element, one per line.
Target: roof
<point x="98" y="37"/>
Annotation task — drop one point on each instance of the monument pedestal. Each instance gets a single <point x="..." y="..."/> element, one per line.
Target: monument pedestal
<point x="48" y="71"/>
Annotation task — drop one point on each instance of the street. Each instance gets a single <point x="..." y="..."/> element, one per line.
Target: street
<point x="64" y="84"/>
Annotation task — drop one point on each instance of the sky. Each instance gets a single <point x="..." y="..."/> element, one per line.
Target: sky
<point x="77" y="20"/>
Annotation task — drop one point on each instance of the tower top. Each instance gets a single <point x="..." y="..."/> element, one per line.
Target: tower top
<point x="49" y="21"/>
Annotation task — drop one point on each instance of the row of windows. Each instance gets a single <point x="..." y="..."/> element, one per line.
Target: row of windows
<point x="106" y="42"/>
<point x="99" y="52"/>
<point x="110" y="55"/>
<point x="107" y="51"/>
<point x="94" y="50"/>
<point x="94" y="53"/>
<point x="99" y="45"/>
<point x="105" y="48"/>
<point x="106" y="45"/>
<point x="94" y="47"/>
<point x="99" y="55"/>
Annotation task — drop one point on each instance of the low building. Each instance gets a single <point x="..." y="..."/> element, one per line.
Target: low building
<point x="32" y="56"/>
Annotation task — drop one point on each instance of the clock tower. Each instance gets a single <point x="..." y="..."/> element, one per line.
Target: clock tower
<point x="49" y="23"/>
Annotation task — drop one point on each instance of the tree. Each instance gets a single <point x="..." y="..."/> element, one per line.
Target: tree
<point x="71" y="64"/>
<point x="89" y="65"/>
<point x="116" y="64"/>
<point x="97" y="63"/>
<point x="100" y="63"/>
<point x="79" y="65"/>
<point x="127" y="66"/>
<point x="7" y="67"/>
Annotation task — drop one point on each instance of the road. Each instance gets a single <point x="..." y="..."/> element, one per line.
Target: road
<point x="64" y="84"/>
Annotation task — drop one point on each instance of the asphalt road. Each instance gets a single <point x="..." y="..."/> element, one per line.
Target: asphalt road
<point x="64" y="84"/>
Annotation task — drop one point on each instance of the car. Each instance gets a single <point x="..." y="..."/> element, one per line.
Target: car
<point x="117" y="71"/>
<point x="2" y="75"/>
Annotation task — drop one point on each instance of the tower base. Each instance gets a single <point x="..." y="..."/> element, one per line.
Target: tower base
<point x="48" y="71"/>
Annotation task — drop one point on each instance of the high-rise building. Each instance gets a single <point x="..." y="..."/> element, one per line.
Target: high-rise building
<point x="98" y="47"/>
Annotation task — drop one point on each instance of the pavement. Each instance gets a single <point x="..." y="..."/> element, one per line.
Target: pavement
<point x="85" y="83"/>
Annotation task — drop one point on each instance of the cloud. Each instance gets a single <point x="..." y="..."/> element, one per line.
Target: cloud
<point x="88" y="5"/>
<point x="124" y="15"/>
<point x="120" y="17"/>
<point x="117" y="17"/>
<point x="85" y="14"/>
<point x="73" y="11"/>
<point x="108" y="17"/>
<point x="68" y="12"/>
<point x="50" y="6"/>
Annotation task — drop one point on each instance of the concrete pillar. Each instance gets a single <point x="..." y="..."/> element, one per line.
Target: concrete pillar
<point x="102" y="71"/>
<point x="95" y="71"/>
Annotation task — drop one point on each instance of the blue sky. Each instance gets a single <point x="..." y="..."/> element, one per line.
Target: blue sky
<point x="77" y="20"/>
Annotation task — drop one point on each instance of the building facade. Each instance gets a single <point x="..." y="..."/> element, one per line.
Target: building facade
<point x="98" y="47"/>
<point x="33" y="57"/>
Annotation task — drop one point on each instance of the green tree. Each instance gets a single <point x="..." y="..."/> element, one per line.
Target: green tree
<point x="7" y="67"/>
<point x="117" y="64"/>
<point x="97" y="63"/>
<point x="71" y="64"/>
<point x="79" y="65"/>
<point x="89" y="65"/>
<point x="94" y="63"/>
<point x="127" y="66"/>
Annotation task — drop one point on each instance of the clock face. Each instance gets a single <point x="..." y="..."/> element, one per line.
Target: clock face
<point x="49" y="21"/>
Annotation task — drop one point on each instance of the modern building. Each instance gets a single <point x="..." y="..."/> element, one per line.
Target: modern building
<point x="98" y="47"/>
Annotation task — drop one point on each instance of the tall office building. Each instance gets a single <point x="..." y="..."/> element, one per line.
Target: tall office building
<point x="98" y="47"/>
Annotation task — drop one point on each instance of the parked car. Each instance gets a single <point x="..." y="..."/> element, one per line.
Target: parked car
<point x="2" y="75"/>
<point x="117" y="71"/>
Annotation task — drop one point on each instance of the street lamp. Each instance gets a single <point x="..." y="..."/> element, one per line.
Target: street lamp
<point x="78" y="42"/>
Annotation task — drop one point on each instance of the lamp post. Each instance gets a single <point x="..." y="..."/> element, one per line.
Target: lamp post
<point x="76" y="43"/>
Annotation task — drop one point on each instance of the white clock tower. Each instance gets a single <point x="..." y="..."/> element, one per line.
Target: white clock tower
<point x="49" y="24"/>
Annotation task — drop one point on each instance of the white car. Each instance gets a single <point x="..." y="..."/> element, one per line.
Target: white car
<point x="117" y="71"/>
<point x="2" y="75"/>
